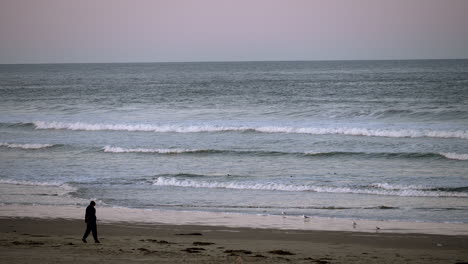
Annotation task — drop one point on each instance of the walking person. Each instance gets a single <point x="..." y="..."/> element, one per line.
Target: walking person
<point x="91" y="226"/>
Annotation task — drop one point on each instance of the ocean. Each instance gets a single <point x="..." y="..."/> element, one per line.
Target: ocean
<point x="376" y="140"/>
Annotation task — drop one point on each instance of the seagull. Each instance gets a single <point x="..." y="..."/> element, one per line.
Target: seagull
<point x="305" y="216"/>
<point x="377" y="228"/>
<point x="354" y="224"/>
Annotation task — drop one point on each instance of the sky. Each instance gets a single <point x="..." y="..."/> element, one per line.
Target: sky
<point x="67" y="31"/>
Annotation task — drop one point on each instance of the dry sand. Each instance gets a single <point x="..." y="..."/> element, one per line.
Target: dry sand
<point x="34" y="240"/>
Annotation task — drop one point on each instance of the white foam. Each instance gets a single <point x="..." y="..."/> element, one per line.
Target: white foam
<point x="26" y="146"/>
<point x="388" y="186"/>
<point x="396" y="133"/>
<point x="392" y="191"/>
<point x="143" y="150"/>
<point x="455" y="156"/>
<point x="313" y="153"/>
<point x="136" y="127"/>
<point x="61" y="185"/>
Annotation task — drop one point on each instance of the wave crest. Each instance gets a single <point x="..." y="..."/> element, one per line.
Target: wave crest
<point x="381" y="189"/>
<point x="395" y="133"/>
<point x="407" y="155"/>
<point x="26" y="146"/>
<point x="455" y="156"/>
<point x="144" y="150"/>
<point x="61" y="185"/>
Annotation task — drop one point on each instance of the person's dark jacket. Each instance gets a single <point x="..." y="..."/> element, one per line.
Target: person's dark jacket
<point x="90" y="215"/>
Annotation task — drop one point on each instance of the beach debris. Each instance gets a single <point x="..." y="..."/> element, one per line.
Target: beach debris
<point x="190" y="234"/>
<point x="321" y="260"/>
<point x="33" y="235"/>
<point x="377" y="228"/>
<point x="146" y="251"/>
<point x="198" y="243"/>
<point x="27" y="242"/>
<point x="193" y="250"/>
<point x="241" y="251"/>
<point x="258" y="256"/>
<point x="280" y="252"/>
<point x="439" y="245"/>
<point x="156" y="241"/>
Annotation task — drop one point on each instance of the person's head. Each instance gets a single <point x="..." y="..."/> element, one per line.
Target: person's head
<point x="92" y="203"/>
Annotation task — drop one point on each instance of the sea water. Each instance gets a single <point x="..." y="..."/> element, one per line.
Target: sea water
<point x="376" y="140"/>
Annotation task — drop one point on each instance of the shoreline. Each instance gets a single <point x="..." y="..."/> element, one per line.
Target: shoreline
<point x="112" y="215"/>
<point x="38" y="240"/>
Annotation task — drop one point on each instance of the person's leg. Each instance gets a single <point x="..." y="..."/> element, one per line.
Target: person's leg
<point x="94" y="229"/>
<point x="88" y="230"/>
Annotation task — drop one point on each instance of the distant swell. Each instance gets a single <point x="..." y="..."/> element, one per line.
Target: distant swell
<point x="26" y="146"/>
<point x="376" y="189"/>
<point x="407" y="155"/>
<point x="396" y="133"/>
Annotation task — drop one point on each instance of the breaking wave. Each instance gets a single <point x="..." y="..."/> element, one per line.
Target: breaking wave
<point x="67" y="188"/>
<point x="395" y="133"/>
<point x="455" y="156"/>
<point x="26" y="146"/>
<point x="376" y="189"/>
<point x="112" y="149"/>
<point x="144" y="150"/>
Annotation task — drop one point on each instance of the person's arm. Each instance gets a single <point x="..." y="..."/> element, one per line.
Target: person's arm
<point x="86" y="216"/>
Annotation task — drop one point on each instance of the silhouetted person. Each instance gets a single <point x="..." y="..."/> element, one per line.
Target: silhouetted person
<point x="90" y="219"/>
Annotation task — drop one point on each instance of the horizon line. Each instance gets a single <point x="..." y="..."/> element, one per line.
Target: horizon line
<point x="225" y="61"/>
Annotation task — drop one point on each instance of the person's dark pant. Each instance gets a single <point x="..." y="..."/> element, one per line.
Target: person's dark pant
<point x="91" y="227"/>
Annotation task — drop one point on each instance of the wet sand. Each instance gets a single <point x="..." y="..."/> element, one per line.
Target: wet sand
<point x="35" y="240"/>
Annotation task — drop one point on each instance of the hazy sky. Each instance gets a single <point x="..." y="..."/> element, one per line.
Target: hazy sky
<point x="37" y="31"/>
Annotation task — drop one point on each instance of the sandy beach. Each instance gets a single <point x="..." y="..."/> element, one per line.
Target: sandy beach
<point x="211" y="131"/>
<point x="34" y="240"/>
